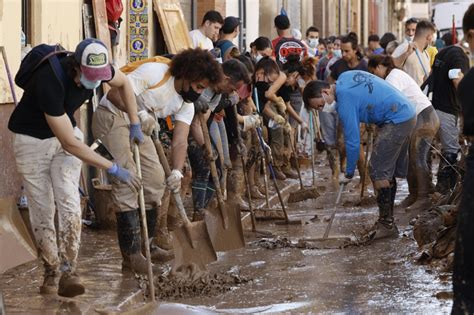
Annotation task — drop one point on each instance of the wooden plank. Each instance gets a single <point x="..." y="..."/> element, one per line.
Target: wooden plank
<point x="101" y="25"/>
<point x="138" y="30"/>
<point x="173" y="25"/>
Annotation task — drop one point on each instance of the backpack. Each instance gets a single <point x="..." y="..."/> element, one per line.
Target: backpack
<point x="37" y="57"/>
<point x="159" y="59"/>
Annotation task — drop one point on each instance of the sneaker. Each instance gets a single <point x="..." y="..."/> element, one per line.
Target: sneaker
<point x="383" y="230"/>
<point x="70" y="285"/>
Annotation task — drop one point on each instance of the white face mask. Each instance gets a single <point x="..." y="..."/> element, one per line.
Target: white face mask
<point x="258" y="57"/>
<point x="313" y="42"/>
<point x="329" y="108"/>
<point x="409" y="38"/>
<point x="337" y="53"/>
<point x="301" y="83"/>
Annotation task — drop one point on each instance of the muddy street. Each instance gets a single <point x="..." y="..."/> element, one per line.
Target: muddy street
<point x="274" y="274"/>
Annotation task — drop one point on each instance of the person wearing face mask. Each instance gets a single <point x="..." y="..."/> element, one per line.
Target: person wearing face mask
<point x="427" y="125"/>
<point x="162" y="89"/>
<point x="463" y="277"/>
<point x="412" y="57"/>
<point x="410" y="29"/>
<point x="261" y="47"/>
<point x="363" y="97"/>
<point x="312" y="40"/>
<point x="49" y="148"/>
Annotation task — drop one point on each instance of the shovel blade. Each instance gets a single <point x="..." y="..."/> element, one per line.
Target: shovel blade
<point x="185" y="253"/>
<point x="224" y="239"/>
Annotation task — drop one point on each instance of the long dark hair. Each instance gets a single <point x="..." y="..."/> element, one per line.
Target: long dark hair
<point x="384" y="60"/>
<point x="353" y="39"/>
<point x="268" y="66"/>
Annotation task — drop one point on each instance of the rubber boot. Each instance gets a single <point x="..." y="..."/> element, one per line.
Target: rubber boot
<point x="385" y="226"/>
<point x="129" y="238"/>
<point x="393" y="193"/>
<point x="157" y="253"/>
<point x="289" y="173"/>
<point x="447" y="176"/>
<point x="423" y="201"/>
<point x="162" y="236"/>
<point x="70" y="285"/>
<point x="278" y="173"/>
<point x="50" y="280"/>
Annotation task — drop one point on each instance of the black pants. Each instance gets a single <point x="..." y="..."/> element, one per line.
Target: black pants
<point x="463" y="275"/>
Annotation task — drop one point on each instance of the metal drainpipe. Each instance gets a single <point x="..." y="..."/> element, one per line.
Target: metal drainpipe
<point x="340" y="18"/>
<point x="243" y="27"/>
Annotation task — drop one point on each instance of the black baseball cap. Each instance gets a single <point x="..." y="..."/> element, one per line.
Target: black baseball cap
<point x="230" y="23"/>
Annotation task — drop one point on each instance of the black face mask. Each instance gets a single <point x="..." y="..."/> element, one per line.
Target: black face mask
<point x="190" y="96"/>
<point x="262" y="86"/>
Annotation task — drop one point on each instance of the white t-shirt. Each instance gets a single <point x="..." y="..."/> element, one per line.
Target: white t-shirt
<point x="163" y="101"/>
<point x="417" y="65"/>
<point x="405" y="84"/>
<point x="200" y="40"/>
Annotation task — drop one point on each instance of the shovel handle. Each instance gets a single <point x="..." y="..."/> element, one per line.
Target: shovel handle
<point x="333" y="215"/>
<point x="366" y="162"/>
<point x="141" y="199"/>
<point x="215" y="178"/>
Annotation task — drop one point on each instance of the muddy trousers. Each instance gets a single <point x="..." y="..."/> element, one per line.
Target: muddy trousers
<point x="202" y="185"/>
<point x="419" y="173"/>
<point x="463" y="273"/>
<point x="280" y="143"/>
<point x="51" y="179"/>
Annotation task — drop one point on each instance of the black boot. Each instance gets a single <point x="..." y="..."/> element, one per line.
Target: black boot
<point x="157" y="253"/>
<point x="393" y="192"/>
<point x="385" y="226"/>
<point x="129" y="238"/>
<point x="447" y="175"/>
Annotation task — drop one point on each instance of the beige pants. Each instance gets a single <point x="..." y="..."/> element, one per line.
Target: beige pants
<point x="51" y="175"/>
<point x="113" y="130"/>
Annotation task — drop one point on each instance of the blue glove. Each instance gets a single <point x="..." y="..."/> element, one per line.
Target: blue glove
<point x="124" y="176"/>
<point x="136" y="134"/>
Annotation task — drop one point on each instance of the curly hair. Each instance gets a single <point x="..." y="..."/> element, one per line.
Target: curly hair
<point x="196" y="65"/>
<point x="308" y="66"/>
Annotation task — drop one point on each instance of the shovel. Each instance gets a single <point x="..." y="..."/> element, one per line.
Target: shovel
<point x="326" y="241"/>
<point x="370" y="137"/>
<point x="224" y="223"/>
<point x="141" y="199"/>
<point x="191" y="242"/>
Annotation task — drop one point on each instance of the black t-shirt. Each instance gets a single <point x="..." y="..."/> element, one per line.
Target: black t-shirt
<point x="444" y="94"/>
<point x="45" y="95"/>
<point x="466" y="98"/>
<point x="289" y="46"/>
<point x="285" y="92"/>
<point x="341" y="66"/>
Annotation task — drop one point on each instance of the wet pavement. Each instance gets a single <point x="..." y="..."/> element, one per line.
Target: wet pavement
<point x="381" y="277"/>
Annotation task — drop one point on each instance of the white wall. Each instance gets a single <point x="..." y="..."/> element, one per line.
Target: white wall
<point x="253" y="21"/>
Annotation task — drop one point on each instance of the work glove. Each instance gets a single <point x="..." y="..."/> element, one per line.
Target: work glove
<point x="280" y="105"/>
<point x="136" y="134"/>
<point x="201" y="106"/>
<point x="278" y="119"/>
<point x="174" y="181"/>
<point x="234" y="98"/>
<point x="147" y="121"/>
<point x="251" y="121"/>
<point x="345" y="179"/>
<point x="124" y="176"/>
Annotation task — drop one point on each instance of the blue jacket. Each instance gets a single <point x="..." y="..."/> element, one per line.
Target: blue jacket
<point x="363" y="97"/>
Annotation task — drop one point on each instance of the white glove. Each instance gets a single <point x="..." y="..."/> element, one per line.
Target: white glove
<point x="304" y="126"/>
<point x="280" y="105"/>
<point x="234" y="98"/>
<point x="174" y="180"/>
<point x="278" y="119"/>
<point x="251" y="121"/>
<point x="147" y="121"/>
<point x="344" y="180"/>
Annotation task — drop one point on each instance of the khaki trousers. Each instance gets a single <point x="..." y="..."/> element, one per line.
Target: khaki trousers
<point x="51" y="179"/>
<point x="113" y="130"/>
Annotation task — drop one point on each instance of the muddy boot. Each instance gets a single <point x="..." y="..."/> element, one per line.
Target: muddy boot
<point x="157" y="253"/>
<point x="129" y="238"/>
<point x="70" y="285"/>
<point x="278" y="173"/>
<point x="255" y="193"/>
<point x="50" y="281"/>
<point x="289" y="173"/>
<point x="447" y="176"/>
<point x="423" y="201"/>
<point x="385" y="226"/>
<point x="163" y="237"/>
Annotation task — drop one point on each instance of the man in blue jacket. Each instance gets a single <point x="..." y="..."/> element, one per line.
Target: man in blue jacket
<point x="364" y="98"/>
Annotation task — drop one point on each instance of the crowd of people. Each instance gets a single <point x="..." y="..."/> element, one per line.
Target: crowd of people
<point x="406" y="92"/>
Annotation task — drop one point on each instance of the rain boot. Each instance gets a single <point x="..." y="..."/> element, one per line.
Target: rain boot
<point x="447" y="176"/>
<point x="129" y="238"/>
<point x="70" y="285"/>
<point x="157" y="253"/>
<point x="289" y="173"/>
<point x="385" y="226"/>
<point x="423" y="201"/>
<point x="50" y="280"/>
<point x="163" y="237"/>
<point x="278" y="173"/>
